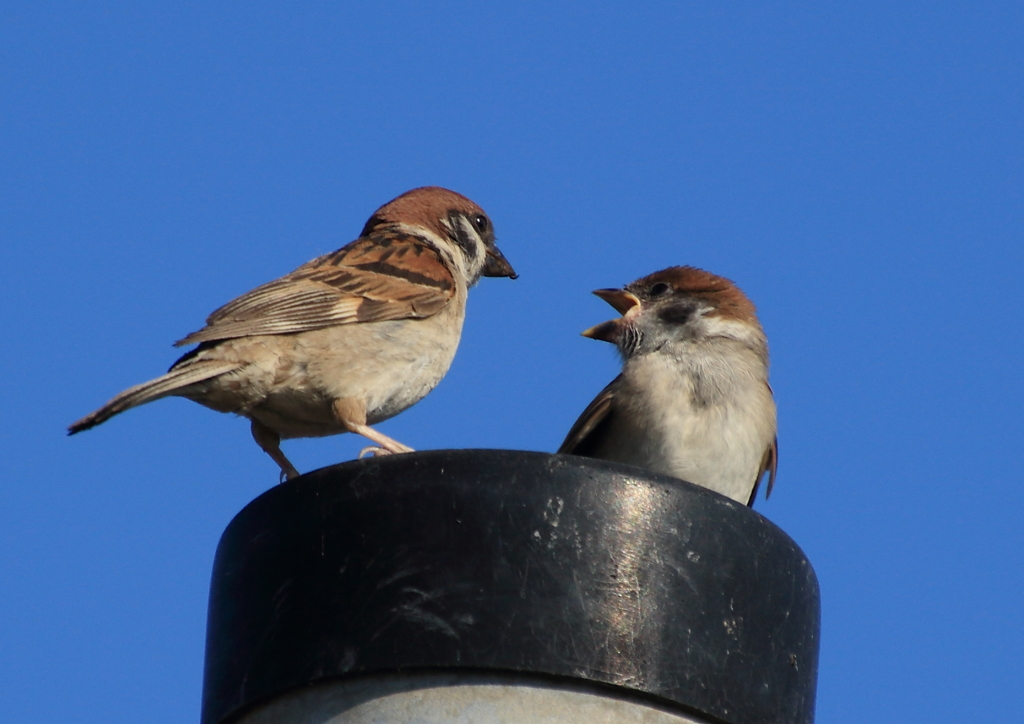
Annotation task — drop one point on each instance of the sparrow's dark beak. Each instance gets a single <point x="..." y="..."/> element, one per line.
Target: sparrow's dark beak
<point x="623" y="302"/>
<point x="496" y="265"/>
<point x="620" y="299"/>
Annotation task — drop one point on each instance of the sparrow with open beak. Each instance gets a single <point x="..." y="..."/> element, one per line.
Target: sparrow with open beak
<point x="693" y="399"/>
<point x="344" y="341"/>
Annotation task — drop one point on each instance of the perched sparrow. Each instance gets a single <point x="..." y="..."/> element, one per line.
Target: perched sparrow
<point x="693" y="399"/>
<point x="344" y="341"/>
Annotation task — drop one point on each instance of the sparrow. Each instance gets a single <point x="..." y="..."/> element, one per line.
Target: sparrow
<point x="345" y="341"/>
<point x="693" y="399"/>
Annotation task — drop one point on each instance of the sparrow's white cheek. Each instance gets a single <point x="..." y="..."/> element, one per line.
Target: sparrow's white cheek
<point x="453" y="256"/>
<point x="474" y="246"/>
<point x="715" y="326"/>
<point x="442" y="242"/>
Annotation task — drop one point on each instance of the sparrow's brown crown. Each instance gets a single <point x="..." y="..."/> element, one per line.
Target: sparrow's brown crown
<point x="425" y="206"/>
<point x="719" y="292"/>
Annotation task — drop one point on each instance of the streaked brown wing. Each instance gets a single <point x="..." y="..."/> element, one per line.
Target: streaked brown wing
<point x="387" y="275"/>
<point x="584" y="435"/>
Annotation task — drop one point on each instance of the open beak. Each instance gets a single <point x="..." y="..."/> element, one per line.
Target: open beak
<point x="605" y="331"/>
<point x="623" y="302"/>
<point x="496" y="265"/>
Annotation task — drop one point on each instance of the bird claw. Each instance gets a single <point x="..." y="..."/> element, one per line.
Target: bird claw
<point x="374" y="450"/>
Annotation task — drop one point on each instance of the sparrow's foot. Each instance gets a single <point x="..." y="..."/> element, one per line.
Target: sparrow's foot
<point x="384" y="445"/>
<point x="270" y="442"/>
<point x="372" y="450"/>
<point x="351" y="413"/>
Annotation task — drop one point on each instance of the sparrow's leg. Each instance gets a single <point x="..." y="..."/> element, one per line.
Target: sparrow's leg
<point x="352" y="415"/>
<point x="270" y="442"/>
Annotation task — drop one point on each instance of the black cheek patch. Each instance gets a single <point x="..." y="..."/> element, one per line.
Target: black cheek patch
<point x="462" y="236"/>
<point x="677" y="313"/>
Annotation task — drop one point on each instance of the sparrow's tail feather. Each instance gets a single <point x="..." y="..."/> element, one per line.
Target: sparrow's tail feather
<point x="171" y="383"/>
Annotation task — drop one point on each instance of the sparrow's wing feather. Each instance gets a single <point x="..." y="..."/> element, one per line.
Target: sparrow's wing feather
<point x="586" y="432"/>
<point x="769" y="464"/>
<point x="387" y="275"/>
<point x="772" y="466"/>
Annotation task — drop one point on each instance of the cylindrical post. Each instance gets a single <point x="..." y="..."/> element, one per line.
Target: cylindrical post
<point x="499" y="586"/>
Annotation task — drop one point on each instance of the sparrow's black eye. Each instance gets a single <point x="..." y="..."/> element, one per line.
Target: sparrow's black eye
<point x="481" y="223"/>
<point x="658" y="289"/>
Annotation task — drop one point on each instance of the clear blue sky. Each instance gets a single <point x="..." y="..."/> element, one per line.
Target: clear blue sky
<point x="855" y="167"/>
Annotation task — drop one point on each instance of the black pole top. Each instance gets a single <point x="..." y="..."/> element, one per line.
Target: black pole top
<point x="503" y="561"/>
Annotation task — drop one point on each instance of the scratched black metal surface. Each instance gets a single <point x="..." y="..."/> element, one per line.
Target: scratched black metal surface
<point x="513" y="561"/>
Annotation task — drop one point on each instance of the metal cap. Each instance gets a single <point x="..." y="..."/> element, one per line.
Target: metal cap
<point x="503" y="561"/>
